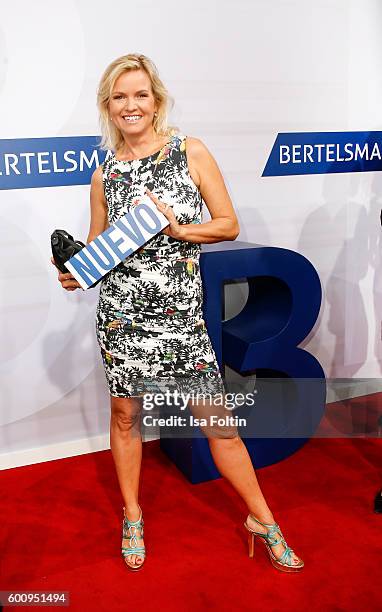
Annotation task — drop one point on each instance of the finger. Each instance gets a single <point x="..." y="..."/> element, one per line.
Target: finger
<point x="163" y="206"/>
<point x="155" y="199"/>
<point x="65" y="276"/>
<point x="152" y="196"/>
<point x="70" y="279"/>
<point x="165" y="209"/>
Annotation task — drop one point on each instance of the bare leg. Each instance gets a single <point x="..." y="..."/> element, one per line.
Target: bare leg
<point x="234" y="463"/>
<point x="126" y="448"/>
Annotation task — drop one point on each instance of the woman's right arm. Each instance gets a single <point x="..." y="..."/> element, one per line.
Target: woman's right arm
<point x="98" y="206"/>
<point x="98" y="223"/>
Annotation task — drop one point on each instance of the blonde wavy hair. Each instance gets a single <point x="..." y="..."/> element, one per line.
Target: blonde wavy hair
<point x="111" y="136"/>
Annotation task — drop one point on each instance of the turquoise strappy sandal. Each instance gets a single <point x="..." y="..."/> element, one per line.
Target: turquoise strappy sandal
<point x="130" y="532"/>
<point x="270" y="539"/>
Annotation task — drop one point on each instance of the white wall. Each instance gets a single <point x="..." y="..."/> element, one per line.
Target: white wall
<point x="240" y="71"/>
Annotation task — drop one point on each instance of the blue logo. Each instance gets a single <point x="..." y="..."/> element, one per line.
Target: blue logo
<point x="324" y="152"/>
<point x="48" y="162"/>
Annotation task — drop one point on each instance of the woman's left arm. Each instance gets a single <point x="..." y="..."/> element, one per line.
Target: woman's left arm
<point x="223" y="224"/>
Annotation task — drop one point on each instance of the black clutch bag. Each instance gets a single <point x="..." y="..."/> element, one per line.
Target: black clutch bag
<point x="63" y="248"/>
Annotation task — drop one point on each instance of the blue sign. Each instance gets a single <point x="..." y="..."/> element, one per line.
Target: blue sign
<point x="283" y="304"/>
<point x="48" y="162"/>
<point x="324" y="152"/>
<point x="123" y="238"/>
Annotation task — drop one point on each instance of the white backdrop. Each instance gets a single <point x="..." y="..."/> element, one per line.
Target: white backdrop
<point x="240" y="72"/>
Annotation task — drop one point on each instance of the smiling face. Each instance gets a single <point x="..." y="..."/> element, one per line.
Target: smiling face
<point x="132" y="104"/>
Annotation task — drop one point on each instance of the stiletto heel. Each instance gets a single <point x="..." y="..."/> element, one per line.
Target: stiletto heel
<point x="270" y="539"/>
<point x="129" y="532"/>
<point x="251" y="545"/>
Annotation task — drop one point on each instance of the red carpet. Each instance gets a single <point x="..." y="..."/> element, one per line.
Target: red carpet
<point x="61" y="529"/>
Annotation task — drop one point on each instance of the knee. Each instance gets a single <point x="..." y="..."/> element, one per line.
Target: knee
<point x="125" y="421"/>
<point x="125" y="413"/>
<point x="229" y="438"/>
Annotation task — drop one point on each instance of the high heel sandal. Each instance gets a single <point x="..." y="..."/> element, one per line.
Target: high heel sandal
<point x="270" y="539"/>
<point x="129" y="532"/>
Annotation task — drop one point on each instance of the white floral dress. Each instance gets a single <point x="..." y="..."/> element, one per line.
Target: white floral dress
<point x="149" y="319"/>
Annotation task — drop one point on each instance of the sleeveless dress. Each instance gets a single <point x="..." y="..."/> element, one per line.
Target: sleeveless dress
<point x="149" y="319"/>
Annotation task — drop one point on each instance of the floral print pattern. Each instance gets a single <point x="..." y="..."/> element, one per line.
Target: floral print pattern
<point x="149" y="319"/>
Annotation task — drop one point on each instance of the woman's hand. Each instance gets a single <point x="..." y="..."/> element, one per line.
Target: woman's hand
<point x="175" y="229"/>
<point x="67" y="281"/>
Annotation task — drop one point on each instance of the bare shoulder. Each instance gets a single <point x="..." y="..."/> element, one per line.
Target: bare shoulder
<point x="211" y="184"/>
<point x="199" y="154"/>
<point x="96" y="185"/>
<point x="97" y="176"/>
<point x="195" y="147"/>
<point x="200" y="160"/>
<point x="97" y="181"/>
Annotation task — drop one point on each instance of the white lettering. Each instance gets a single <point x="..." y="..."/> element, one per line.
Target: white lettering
<point x="11" y="164"/>
<point x="339" y="158"/>
<point x="296" y="151"/>
<point x="284" y="154"/>
<point x="67" y="158"/>
<point x="27" y="160"/>
<point x="349" y="150"/>
<point x="361" y="152"/>
<point x="89" y="163"/>
<point x="55" y="167"/>
<point x="329" y="151"/>
<point x="319" y="148"/>
<point x="375" y="152"/>
<point x="41" y="162"/>
<point x="308" y="150"/>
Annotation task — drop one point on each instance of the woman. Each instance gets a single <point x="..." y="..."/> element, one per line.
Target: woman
<point x="149" y="316"/>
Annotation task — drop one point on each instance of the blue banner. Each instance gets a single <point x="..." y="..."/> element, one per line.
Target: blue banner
<point x="48" y="162"/>
<point x="324" y="152"/>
